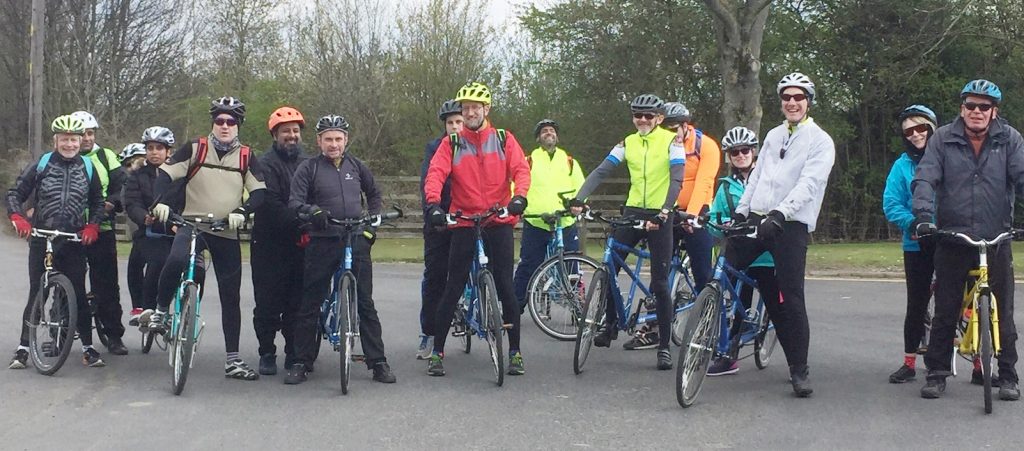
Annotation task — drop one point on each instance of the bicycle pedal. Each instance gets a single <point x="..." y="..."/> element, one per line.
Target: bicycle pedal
<point x="459" y="333"/>
<point x="506" y="326"/>
<point x="358" y="358"/>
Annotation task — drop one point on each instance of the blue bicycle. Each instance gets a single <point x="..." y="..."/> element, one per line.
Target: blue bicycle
<point x="593" y="309"/>
<point x="718" y="308"/>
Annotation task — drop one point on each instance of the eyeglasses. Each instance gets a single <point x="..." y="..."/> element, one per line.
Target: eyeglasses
<point x="230" y="122"/>
<point x="740" y="150"/>
<point x="919" y="128"/>
<point x="796" y="97"/>
<point x="983" y="107"/>
<point x="648" y="116"/>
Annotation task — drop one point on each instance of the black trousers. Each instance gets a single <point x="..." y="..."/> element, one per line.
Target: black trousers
<point x="789" y="250"/>
<point x="227" y="260"/>
<point x="136" y="272"/>
<point x="154" y="253"/>
<point x="435" y="274"/>
<point x="102" y="258"/>
<point x="277" y="289"/>
<point x="69" y="259"/>
<point x="323" y="256"/>
<point x="952" y="262"/>
<point x="498" y="242"/>
<point x="918" y="267"/>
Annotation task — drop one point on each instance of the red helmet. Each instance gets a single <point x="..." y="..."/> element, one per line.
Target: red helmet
<point x="285" y="114"/>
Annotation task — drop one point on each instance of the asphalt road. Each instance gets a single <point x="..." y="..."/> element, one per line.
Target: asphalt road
<point x="619" y="402"/>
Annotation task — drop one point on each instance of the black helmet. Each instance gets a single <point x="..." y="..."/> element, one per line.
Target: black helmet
<point x="647" y="103"/>
<point x="228" y="105"/>
<point x="676" y="113"/>
<point x="544" y="123"/>
<point x="332" y="122"/>
<point x="448" y="108"/>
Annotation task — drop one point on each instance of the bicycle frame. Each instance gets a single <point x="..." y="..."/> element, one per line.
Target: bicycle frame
<point x="724" y="274"/>
<point x="327" y="308"/>
<point x="969" y="345"/>
<point x="188" y="278"/>
<point x="472" y="293"/>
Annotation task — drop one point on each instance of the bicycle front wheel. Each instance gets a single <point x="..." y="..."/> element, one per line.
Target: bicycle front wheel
<point x="185" y="337"/>
<point x="51" y="324"/>
<point x="555" y="294"/>
<point x="700" y="338"/>
<point x="985" y="333"/>
<point x="591" y="317"/>
<point x="490" y="317"/>
<point x="346" y="315"/>
<point x="764" y="343"/>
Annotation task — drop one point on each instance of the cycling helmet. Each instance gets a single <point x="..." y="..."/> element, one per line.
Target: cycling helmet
<point x="88" y="120"/>
<point x="676" y="113"/>
<point x="544" y="123"/>
<point x="332" y="122"/>
<point x="132" y="150"/>
<point x="798" y="80"/>
<point x="918" y="110"/>
<point x="448" y="108"/>
<point x="982" y="88"/>
<point x="228" y="105"/>
<point x="161" y="135"/>
<point x="68" y="124"/>
<point x="738" y="137"/>
<point x="474" y="92"/>
<point x="647" y="102"/>
<point x="285" y="114"/>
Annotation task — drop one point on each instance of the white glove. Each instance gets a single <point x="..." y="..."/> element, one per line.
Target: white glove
<point x="161" y="212"/>
<point x="236" y="220"/>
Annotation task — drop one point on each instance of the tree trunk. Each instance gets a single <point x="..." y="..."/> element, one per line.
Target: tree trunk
<point x="740" y="31"/>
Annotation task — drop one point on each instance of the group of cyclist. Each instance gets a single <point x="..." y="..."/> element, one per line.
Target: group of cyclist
<point x="475" y="167"/>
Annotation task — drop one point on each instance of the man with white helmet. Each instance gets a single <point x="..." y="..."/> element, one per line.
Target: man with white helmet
<point x="783" y="197"/>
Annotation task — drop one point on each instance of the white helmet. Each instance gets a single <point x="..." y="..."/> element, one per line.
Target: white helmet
<point x="158" y="134"/>
<point x="739" y="136"/>
<point x="131" y="150"/>
<point x="796" y="79"/>
<point x="87" y="119"/>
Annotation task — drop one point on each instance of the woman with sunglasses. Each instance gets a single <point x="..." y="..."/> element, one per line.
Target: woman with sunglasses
<point x="917" y="123"/>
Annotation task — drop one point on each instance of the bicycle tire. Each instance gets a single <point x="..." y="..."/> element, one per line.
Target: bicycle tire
<point x="345" y="314"/>
<point x="682" y="300"/>
<point x="100" y="330"/>
<point x="554" y="284"/>
<point x="61" y="317"/>
<point x="147" y="342"/>
<point x="461" y="326"/>
<point x="490" y="316"/>
<point x="765" y="342"/>
<point x="985" y="333"/>
<point x="701" y="338"/>
<point x="185" y="339"/>
<point x="593" y="311"/>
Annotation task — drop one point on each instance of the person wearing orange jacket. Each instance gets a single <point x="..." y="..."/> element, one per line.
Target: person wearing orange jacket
<point x="480" y="165"/>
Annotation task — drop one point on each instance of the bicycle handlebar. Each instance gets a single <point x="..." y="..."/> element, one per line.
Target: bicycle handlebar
<point x="622" y="221"/>
<point x="370" y="220"/>
<point x="217" y="225"/>
<point x="50" y="234"/>
<point x="501" y="212"/>
<point x="1010" y="234"/>
<point x="728" y="229"/>
<point x="552" y="217"/>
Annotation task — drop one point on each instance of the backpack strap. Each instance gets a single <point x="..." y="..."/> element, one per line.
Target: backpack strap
<point x="244" y="154"/>
<point x="501" y="137"/>
<point x="202" y="147"/>
<point x="45" y="160"/>
<point x="453" y="139"/>
<point x="570" y="162"/>
<point x="696" y="145"/>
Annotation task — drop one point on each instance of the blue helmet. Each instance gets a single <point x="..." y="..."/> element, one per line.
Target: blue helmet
<point x="983" y="88"/>
<point x="918" y="110"/>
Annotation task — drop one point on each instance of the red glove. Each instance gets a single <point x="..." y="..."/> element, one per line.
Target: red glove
<point x="303" y="240"/>
<point x="90" y="233"/>
<point x="22" y="225"/>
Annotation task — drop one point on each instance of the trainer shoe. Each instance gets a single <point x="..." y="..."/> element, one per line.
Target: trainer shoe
<point x="934" y="388"/>
<point x="642" y="339"/>
<point x="91" y="358"/>
<point x="435" y="365"/>
<point x="800" y="379"/>
<point x="268" y="364"/>
<point x="156" y="321"/>
<point x="723" y="366"/>
<point x="382" y="373"/>
<point x="133" y="317"/>
<point x="116" y="346"/>
<point x="237" y="369"/>
<point x="20" y="360"/>
<point x="1008" y="390"/>
<point x="605" y="335"/>
<point x="515" y="364"/>
<point x="296" y="374"/>
<point x="664" y="359"/>
<point x="426" y="347"/>
<point x="902" y="375"/>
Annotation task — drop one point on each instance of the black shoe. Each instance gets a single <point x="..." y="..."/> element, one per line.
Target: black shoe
<point x="116" y="346"/>
<point x="382" y="373"/>
<point x="268" y="364"/>
<point x="934" y="388"/>
<point x="296" y="374"/>
<point x="664" y="359"/>
<point x="91" y="358"/>
<point x="20" y="360"/>
<point x="606" y="334"/>
<point x="902" y="375"/>
<point x="1008" y="391"/>
<point x="978" y="379"/>
<point x="798" y="376"/>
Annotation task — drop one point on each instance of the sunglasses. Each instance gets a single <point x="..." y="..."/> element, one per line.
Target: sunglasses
<point x="230" y="122"/>
<point x="796" y="97"/>
<point x="648" y="116"/>
<point x="919" y="128"/>
<point x="983" y="107"/>
<point x="740" y="150"/>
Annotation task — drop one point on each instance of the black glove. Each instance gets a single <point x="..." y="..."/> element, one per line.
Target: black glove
<point x="435" y="215"/>
<point x="574" y="202"/>
<point x="313" y="215"/>
<point x="923" y="226"/>
<point x="738" y="218"/>
<point x="517" y="206"/>
<point x="660" y="219"/>
<point x="771" y="225"/>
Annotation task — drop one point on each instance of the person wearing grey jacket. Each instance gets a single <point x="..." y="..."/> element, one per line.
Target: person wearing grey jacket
<point x="783" y="198"/>
<point x="971" y="171"/>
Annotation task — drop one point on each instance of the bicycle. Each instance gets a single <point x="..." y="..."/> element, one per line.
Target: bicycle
<point x="478" y="311"/>
<point x="97" y="323"/>
<point x="149" y="335"/>
<point x="53" y="318"/>
<point x="339" y="313"/>
<point x="718" y="309"/>
<point x="593" y="309"/>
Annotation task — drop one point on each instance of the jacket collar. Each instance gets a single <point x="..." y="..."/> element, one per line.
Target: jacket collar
<point x="996" y="131"/>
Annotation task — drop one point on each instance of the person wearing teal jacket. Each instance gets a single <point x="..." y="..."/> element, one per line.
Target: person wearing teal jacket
<point x="740" y="148"/>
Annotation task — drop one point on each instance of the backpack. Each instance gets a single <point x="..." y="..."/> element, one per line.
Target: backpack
<point x="454" y="138"/>
<point x="203" y="148"/>
<point x="696" y="145"/>
<point x="45" y="159"/>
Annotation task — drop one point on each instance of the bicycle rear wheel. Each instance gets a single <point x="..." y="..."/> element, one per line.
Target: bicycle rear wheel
<point x="555" y="294"/>
<point x="185" y="338"/>
<point x="682" y="298"/>
<point x="765" y="341"/>
<point x="147" y="341"/>
<point x="346" y="315"/>
<point x="701" y="337"/>
<point x="51" y="324"/>
<point x="593" y="312"/>
<point x="985" y="333"/>
<point x="490" y="317"/>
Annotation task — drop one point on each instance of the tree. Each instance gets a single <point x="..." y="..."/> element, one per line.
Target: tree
<point x="739" y="32"/>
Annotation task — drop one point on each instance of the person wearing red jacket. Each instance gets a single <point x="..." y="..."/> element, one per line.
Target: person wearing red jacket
<point x="481" y="165"/>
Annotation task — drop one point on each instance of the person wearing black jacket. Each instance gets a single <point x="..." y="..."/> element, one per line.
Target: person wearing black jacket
<point x="436" y="240"/>
<point x="277" y="243"/>
<point x="334" y="185"/>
